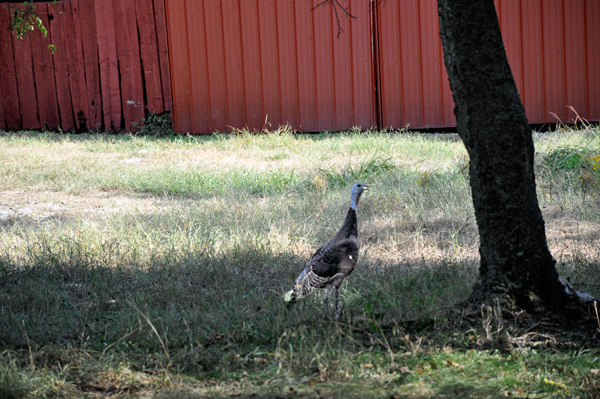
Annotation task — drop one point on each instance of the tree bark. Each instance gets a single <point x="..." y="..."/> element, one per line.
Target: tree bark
<point x="516" y="263"/>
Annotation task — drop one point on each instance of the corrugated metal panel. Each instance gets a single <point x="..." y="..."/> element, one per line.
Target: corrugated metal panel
<point x="545" y="42"/>
<point x="532" y="86"/>
<point x="592" y="57"/>
<point x="259" y="63"/>
<point x="552" y="47"/>
<point x="509" y="17"/>
<point x="413" y="80"/>
<point x="574" y="53"/>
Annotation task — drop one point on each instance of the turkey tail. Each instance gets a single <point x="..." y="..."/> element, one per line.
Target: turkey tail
<point x="293" y="295"/>
<point x="289" y="296"/>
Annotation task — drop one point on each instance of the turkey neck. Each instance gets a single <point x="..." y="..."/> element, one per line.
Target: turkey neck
<point x="350" y="226"/>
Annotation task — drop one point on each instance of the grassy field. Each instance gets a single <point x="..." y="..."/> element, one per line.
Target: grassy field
<point x="155" y="267"/>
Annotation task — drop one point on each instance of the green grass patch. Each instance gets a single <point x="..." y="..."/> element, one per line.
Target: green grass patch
<point x="365" y="170"/>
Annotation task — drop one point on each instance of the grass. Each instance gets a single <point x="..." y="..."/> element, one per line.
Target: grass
<point x="155" y="266"/>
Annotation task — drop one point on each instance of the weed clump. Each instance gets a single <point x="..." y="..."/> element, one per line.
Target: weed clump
<point x="157" y="125"/>
<point x="573" y="165"/>
<point x="567" y="158"/>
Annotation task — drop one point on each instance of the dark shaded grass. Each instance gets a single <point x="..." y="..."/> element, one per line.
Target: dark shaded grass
<point x="91" y="315"/>
<point x="68" y="292"/>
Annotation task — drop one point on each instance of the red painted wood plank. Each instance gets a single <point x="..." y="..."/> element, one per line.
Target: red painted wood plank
<point x="149" y="54"/>
<point x="89" y="39"/>
<point x="74" y="49"/>
<point x="25" y="83"/>
<point x="103" y="62"/>
<point x="56" y="15"/>
<point x="43" y="68"/>
<point x="399" y="113"/>
<point x="2" y="121"/>
<point x="8" y="74"/>
<point x="163" y="53"/>
<point x="128" y="52"/>
<point x="108" y="65"/>
<point x="362" y="65"/>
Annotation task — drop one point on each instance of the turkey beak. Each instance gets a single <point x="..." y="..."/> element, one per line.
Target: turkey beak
<point x="365" y="188"/>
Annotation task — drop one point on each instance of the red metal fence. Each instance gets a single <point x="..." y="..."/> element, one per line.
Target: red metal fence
<point x="110" y="66"/>
<point x="262" y="63"/>
<point x="239" y="62"/>
<point x="413" y="83"/>
<point x="243" y="63"/>
<point x="553" y="47"/>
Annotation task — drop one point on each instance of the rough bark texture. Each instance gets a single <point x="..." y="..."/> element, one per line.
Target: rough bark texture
<point x="516" y="263"/>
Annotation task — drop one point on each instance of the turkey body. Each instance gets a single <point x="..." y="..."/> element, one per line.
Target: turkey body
<point x="333" y="261"/>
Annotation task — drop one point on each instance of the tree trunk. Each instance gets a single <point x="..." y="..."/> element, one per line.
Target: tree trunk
<point x="516" y="263"/>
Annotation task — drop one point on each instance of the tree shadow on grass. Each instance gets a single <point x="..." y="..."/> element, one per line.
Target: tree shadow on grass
<point x="199" y="312"/>
<point x="344" y="391"/>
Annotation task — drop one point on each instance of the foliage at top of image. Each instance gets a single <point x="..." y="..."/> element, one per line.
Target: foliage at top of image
<point x="25" y="19"/>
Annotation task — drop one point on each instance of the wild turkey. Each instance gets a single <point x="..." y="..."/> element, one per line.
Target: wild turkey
<point x="334" y="261"/>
